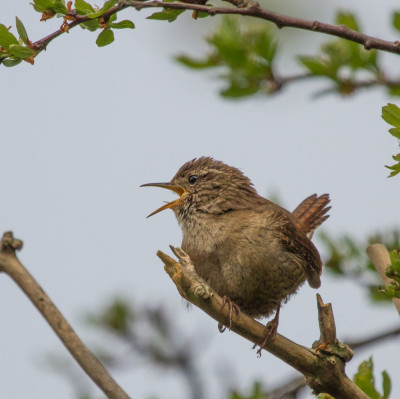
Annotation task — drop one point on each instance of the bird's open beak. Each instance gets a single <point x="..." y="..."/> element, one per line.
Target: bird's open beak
<point x="177" y="189"/>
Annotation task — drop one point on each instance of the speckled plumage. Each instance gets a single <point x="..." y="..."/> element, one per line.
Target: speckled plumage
<point x="244" y="246"/>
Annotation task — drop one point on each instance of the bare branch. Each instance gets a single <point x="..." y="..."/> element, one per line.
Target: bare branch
<point x="10" y="265"/>
<point x="324" y="372"/>
<point x="380" y="257"/>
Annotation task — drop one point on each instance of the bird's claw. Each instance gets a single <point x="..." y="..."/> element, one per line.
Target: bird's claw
<point x="232" y="306"/>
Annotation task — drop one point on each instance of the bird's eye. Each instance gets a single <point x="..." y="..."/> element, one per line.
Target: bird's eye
<point x="193" y="179"/>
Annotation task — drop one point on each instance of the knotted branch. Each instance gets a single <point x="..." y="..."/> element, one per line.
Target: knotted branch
<point x="10" y="264"/>
<point x="322" y="367"/>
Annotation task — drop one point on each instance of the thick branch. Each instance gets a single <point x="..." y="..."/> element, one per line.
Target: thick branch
<point x="10" y="265"/>
<point x="241" y="7"/>
<point x="324" y="372"/>
<point x="380" y="257"/>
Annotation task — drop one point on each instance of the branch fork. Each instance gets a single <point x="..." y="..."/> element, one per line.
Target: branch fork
<point x="322" y="366"/>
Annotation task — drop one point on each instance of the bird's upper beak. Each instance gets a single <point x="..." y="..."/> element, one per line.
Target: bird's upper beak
<point x="177" y="189"/>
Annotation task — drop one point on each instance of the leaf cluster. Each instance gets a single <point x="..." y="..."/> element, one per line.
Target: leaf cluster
<point x="92" y="18"/>
<point x="247" y="56"/>
<point x="13" y="50"/>
<point x="346" y="257"/>
<point x="248" y="64"/>
<point x="391" y="115"/>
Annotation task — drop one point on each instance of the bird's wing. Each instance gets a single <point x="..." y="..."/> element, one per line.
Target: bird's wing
<point x="296" y="244"/>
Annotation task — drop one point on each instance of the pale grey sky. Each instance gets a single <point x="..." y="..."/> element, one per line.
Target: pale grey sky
<point x="84" y="127"/>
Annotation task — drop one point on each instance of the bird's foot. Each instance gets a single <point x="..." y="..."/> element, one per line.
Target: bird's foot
<point x="271" y="330"/>
<point x="232" y="307"/>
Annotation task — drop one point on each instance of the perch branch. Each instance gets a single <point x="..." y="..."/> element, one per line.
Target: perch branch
<point x="10" y="264"/>
<point x="324" y="371"/>
<point x="379" y="256"/>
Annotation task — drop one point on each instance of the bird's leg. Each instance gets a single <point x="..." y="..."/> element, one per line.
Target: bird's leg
<point x="232" y="306"/>
<point x="272" y="328"/>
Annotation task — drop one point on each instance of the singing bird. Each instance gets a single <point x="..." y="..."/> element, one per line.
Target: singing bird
<point x="250" y="250"/>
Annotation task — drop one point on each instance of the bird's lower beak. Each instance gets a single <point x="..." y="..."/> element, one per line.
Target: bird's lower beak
<point x="177" y="189"/>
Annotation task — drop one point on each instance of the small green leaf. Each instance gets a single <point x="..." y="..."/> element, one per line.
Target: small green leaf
<point x="169" y="15"/>
<point x="197" y="64"/>
<point x="315" y="66"/>
<point x="6" y="38"/>
<point x="21" y="51"/>
<point x="396" y="20"/>
<point x="21" y="30"/>
<point x="202" y="14"/>
<point x="107" y="5"/>
<point x="105" y="38"/>
<point x="43" y="5"/>
<point x="347" y="19"/>
<point x="364" y="379"/>
<point x="83" y="8"/>
<point x="12" y="62"/>
<point x="91" y="25"/>
<point x="237" y="92"/>
<point x="391" y="114"/>
<point x="395" y="131"/>
<point x="386" y="385"/>
<point x="59" y="7"/>
<point x="123" y="25"/>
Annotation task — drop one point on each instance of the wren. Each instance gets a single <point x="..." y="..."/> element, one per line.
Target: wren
<point x="250" y="250"/>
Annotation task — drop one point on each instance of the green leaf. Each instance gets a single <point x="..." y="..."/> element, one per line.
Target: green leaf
<point x="105" y="38"/>
<point x="391" y="114"/>
<point x="6" y="38"/>
<point x="198" y="64"/>
<point x="91" y="25"/>
<point x="364" y="379"/>
<point x="12" y="62"/>
<point x="169" y="15"/>
<point x="43" y="5"/>
<point x="21" y="51"/>
<point x="21" y="30"/>
<point x="237" y="92"/>
<point x="83" y="8"/>
<point x="125" y="24"/>
<point x="59" y="7"/>
<point x="347" y="19"/>
<point x="386" y="385"/>
<point x="395" y="131"/>
<point x="396" y="20"/>
<point x="202" y="14"/>
<point x="107" y="5"/>
<point x="315" y="66"/>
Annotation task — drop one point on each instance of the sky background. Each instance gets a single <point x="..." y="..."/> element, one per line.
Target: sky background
<point x="84" y="127"/>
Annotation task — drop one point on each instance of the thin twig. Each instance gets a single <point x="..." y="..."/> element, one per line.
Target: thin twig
<point x="247" y="8"/>
<point x="10" y="265"/>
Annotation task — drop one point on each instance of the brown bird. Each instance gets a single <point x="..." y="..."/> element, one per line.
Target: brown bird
<point x="250" y="250"/>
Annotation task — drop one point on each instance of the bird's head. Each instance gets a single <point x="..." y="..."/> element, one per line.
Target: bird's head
<point x="207" y="186"/>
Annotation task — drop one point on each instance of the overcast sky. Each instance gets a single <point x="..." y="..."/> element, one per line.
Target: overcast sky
<point x="84" y="127"/>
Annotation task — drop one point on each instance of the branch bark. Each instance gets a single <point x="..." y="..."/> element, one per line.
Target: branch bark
<point x="323" y="367"/>
<point x="380" y="258"/>
<point x="10" y="265"/>
<point x="240" y="7"/>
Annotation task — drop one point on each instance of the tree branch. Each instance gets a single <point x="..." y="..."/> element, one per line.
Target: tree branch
<point x="323" y="369"/>
<point x="241" y="7"/>
<point x="10" y="265"/>
<point x="295" y="384"/>
<point x="380" y="257"/>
